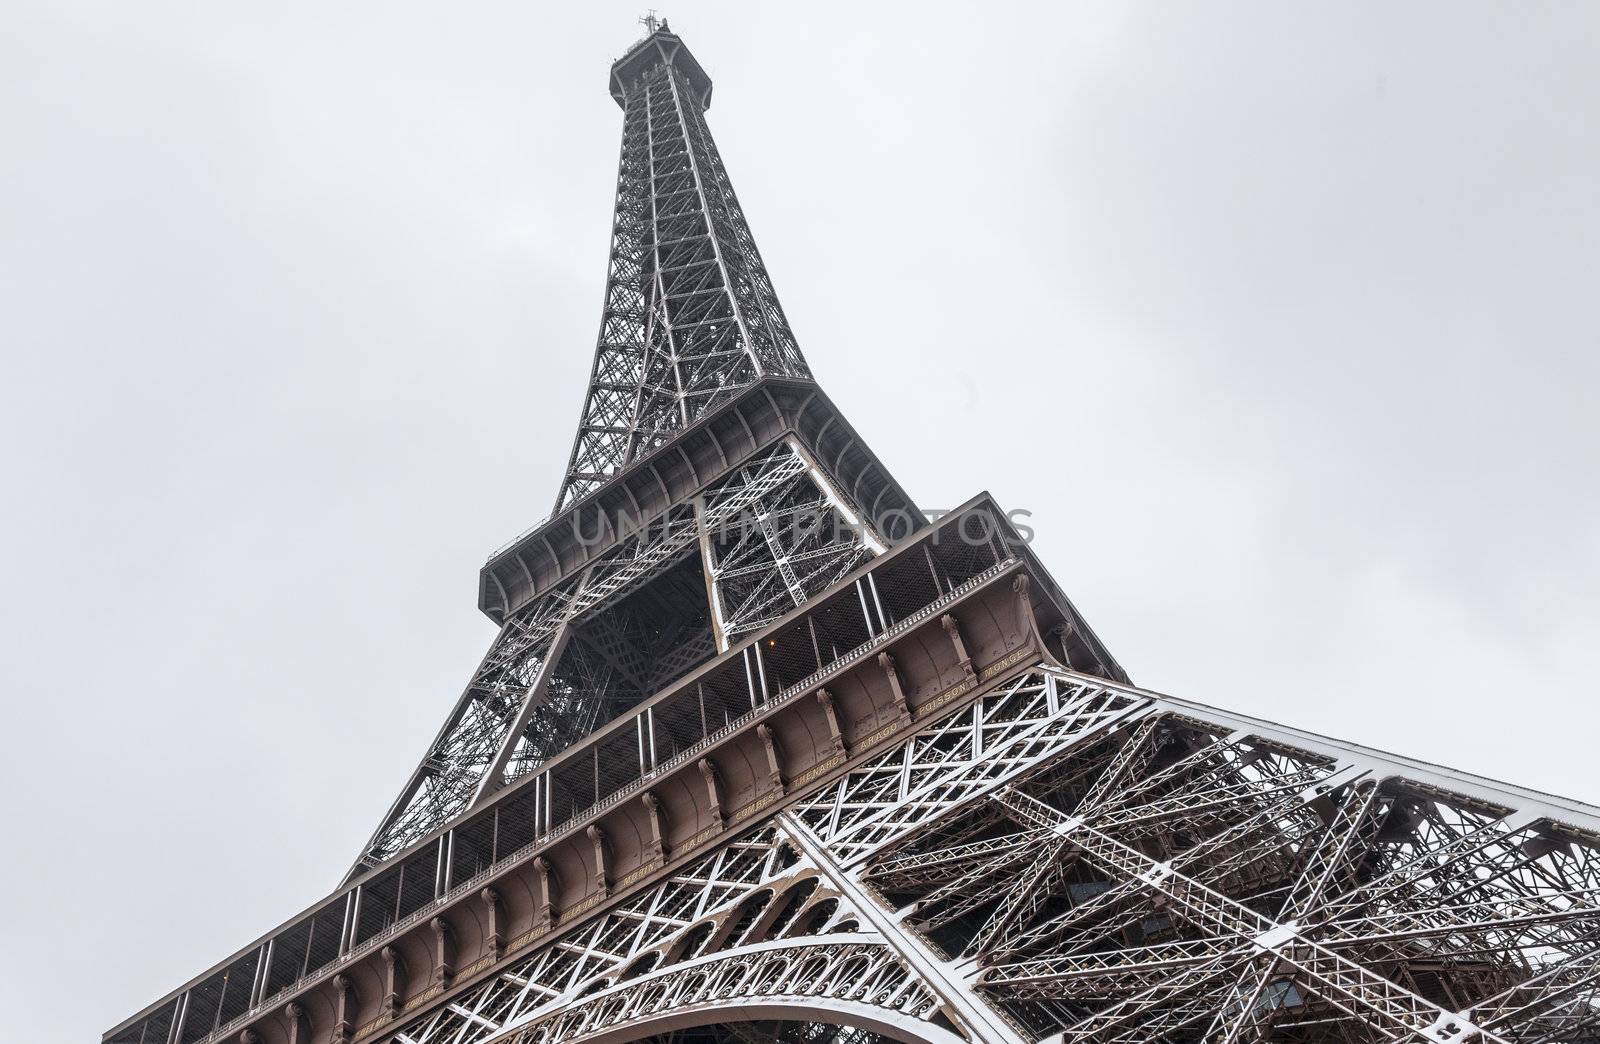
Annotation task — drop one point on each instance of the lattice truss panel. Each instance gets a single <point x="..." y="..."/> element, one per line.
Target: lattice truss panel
<point x="776" y="535"/>
<point x="1106" y="867"/>
<point x="753" y="921"/>
<point x="1069" y="859"/>
<point x="690" y="315"/>
<point x="766" y="562"/>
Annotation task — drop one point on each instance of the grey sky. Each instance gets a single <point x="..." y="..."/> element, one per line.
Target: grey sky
<point x="1280" y="317"/>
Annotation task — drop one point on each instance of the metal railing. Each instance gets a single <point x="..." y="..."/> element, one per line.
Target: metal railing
<point x="525" y="534"/>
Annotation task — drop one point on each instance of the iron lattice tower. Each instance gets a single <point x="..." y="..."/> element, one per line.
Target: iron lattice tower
<point x="690" y="316"/>
<point x="760" y="753"/>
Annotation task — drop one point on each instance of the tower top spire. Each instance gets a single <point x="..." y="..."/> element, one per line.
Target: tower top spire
<point x="659" y="46"/>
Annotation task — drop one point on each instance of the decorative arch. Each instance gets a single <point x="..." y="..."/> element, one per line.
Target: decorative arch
<point x="839" y="1013"/>
<point x="817" y="979"/>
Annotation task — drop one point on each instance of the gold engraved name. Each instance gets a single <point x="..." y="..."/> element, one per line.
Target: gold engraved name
<point x="705" y="835"/>
<point x="640" y="871"/>
<point x="944" y="697"/>
<point x="582" y="908"/>
<point x="426" y="995"/>
<point x="757" y="805"/>
<point x="880" y="733"/>
<point x="1008" y="661"/>
<point x="818" y="769"/>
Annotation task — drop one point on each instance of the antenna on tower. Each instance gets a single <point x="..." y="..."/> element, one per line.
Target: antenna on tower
<point x="651" y="23"/>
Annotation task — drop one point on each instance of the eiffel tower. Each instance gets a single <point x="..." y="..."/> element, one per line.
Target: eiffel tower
<point x="762" y="753"/>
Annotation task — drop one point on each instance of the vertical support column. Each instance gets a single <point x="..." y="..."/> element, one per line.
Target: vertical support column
<point x="547" y="801"/>
<point x="761" y="669"/>
<point x="658" y="847"/>
<point x="176" y="1032"/>
<point x="940" y="585"/>
<point x="491" y="909"/>
<point x="877" y="603"/>
<point x="708" y="567"/>
<point x="394" y="980"/>
<point x="344" y="1009"/>
<point x="444" y="948"/>
<point x="545" y="913"/>
<point x="774" y="768"/>
<point x="602" y="864"/>
<point x="956" y="995"/>
<point x="756" y="698"/>
<point x="836" y="742"/>
<point x="1024" y="598"/>
<point x="866" y="613"/>
<point x="296" y="1016"/>
<point x="258" y="985"/>
<point x="1059" y="634"/>
<point x="708" y="772"/>
<point x="952" y="627"/>
<point x="891" y="672"/>
<point x="352" y="910"/>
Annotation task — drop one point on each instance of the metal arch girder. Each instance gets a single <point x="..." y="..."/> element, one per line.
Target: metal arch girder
<point x="581" y="986"/>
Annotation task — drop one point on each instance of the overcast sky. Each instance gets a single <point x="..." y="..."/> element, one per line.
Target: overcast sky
<point x="1280" y="317"/>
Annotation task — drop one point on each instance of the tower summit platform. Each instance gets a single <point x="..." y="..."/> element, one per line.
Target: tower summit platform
<point x="661" y="46"/>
